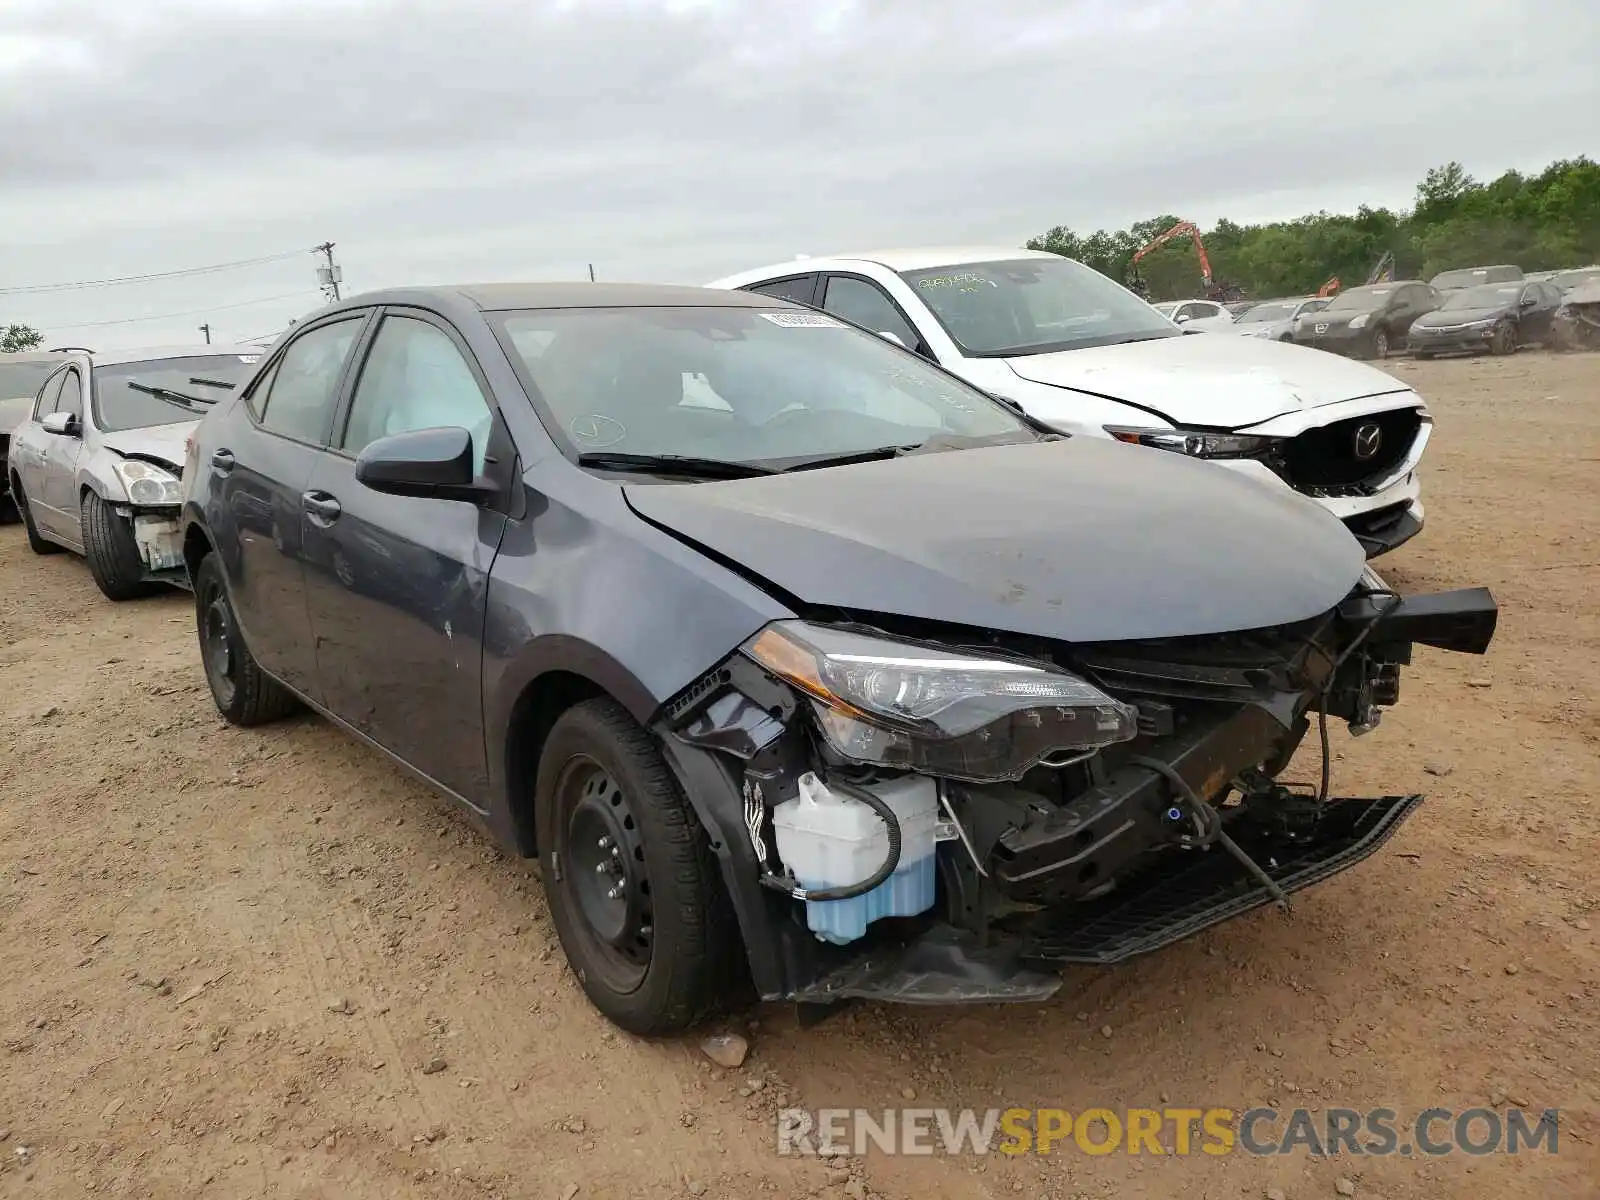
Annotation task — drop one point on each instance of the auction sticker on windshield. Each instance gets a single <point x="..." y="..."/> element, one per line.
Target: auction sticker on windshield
<point x="799" y="320"/>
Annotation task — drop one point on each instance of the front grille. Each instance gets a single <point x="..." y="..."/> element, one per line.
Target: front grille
<point x="1326" y="457"/>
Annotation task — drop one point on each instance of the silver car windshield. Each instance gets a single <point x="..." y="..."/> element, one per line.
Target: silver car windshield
<point x="205" y="377"/>
<point x="767" y="386"/>
<point x="1034" y="306"/>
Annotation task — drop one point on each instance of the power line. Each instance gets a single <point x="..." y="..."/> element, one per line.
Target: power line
<point x="34" y="289"/>
<point x="192" y="312"/>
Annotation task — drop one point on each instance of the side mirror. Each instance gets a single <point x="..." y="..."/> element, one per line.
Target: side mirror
<point x="432" y="464"/>
<point x="1183" y="318"/>
<point x="892" y="337"/>
<point x="1529" y="301"/>
<point x="59" y="422"/>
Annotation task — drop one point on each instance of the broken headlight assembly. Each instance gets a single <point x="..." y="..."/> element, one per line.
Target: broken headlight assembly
<point x="939" y="711"/>
<point x="1196" y="443"/>
<point x="148" y="483"/>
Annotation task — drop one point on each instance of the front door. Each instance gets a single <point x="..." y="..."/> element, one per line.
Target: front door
<point x="58" y="481"/>
<point x="262" y="462"/>
<point x="397" y="586"/>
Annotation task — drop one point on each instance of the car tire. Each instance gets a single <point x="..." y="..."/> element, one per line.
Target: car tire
<point x="35" y="543"/>
<point x="633" y="887"/>
<point x="243" y="693"/>
<point x="1504" y="340"/>
<point x="1380" y="343"/>
<point x="113" y="555"/>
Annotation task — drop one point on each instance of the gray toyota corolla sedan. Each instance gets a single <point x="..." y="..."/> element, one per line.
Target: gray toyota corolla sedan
<point x="93" y="467"/>
<point x="794" y="660"/>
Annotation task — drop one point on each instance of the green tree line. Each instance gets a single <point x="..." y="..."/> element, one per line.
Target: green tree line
<point x="1540" y="222"/>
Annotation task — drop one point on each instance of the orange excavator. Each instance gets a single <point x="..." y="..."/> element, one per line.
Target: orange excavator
<point x="1222" y="293"/>
<point x="1382" y="273"/>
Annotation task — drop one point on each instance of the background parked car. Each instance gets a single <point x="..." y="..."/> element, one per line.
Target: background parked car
<point x="95" y="467"/>
<point x="21" y="377"/>
<point x="1367" y="322"/>
<point x="1493" y="318"/>
<point x="1206" y="315"/>
<point x="1465" y="277"/>
<point x="1565" y="281"/>
<point x="1081" y="353"/>
<point x="1274" y="319"/>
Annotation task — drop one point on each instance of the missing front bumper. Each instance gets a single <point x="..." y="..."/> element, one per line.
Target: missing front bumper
<point x="1177" y="896"/>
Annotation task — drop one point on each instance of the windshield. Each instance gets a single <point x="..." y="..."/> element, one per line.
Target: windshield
<point x="1034" y="306"/>
<point x="1272" y="311"/>
<point x="1468" y="276"/>
<point x="1490" y="295"/>
<point x="118" y="406"/>
<point x="1360" y="299"/>
<point x="19" y="380"/>
<point x="761" y="386"/>
<point x="1567" y="280"/>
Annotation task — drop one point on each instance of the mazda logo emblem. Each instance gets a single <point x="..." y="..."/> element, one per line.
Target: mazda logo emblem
<point x="1367" y="440"/>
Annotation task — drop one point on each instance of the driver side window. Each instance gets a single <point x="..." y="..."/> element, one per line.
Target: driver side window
<point x="867" y="305"/>
<point x="46" y="403"/>
<point x="71" y="399"/>
<point x="416" y="378"/>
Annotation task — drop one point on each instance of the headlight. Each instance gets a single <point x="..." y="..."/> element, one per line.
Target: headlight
<point x="1194" y="442"/>
<point x="1359" y="322"/>
<point x="148" y="483"/>
<point x="942" y="712"/>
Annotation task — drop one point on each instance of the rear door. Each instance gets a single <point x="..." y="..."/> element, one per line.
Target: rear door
<point x="1537" y="311"/>
<point x="28" y="444"/>
<point x="262" y="464"/>
<point x="397" y="586"/>
<point x="57" y="487"/>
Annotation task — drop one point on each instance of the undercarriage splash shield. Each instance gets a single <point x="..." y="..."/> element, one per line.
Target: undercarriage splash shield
<point x="943" y="966"/>
<point x="1186" y="892"/>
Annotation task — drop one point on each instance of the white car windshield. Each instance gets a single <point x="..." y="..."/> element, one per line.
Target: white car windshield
<point x="1034" y="306"/>
<point x="773" y="387"/>
<point x="203" y="378"/>
<point x="1271" y="311"/>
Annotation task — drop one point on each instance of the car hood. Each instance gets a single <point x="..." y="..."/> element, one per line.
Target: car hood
<point x="1228" y="382"/>
<point x="1584" y="293"/>
<point x="163" y="442"/>
<point x="1080" y="540"/>
<point x="1442" y="319"/>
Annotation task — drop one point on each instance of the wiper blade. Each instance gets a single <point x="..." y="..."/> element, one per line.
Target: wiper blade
<point x="673" y="464"/>
<point x="175" y="398"/>
<point x="934" y="444"/>
<point x="218" y="383"/>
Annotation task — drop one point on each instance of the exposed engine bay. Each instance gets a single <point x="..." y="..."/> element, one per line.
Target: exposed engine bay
<point x="938" y="815"/>
<point x="1577" y="321"/>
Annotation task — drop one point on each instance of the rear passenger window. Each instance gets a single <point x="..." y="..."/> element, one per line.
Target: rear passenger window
<point x="799" y="290"/>
<point x="305" y="383"/>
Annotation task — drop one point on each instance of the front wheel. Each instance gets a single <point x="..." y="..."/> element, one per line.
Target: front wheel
<point x="114" y="558"/>
<point x="244" y="695"/>
<point x="1380" y="343"/>
<point x="1504" y="340"/>
<point x="35" y="543"/>
<point x="631" y="881"/>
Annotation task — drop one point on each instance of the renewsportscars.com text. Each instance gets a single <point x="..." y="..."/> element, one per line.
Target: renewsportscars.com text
<point x="1375" y="1132"/>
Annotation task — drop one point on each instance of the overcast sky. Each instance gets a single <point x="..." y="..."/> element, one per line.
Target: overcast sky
<point x="683" y="139"/>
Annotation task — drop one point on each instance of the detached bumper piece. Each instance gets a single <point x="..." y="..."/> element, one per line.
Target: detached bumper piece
<point x="1186" y="892"/>
<point x="942" y="966"/>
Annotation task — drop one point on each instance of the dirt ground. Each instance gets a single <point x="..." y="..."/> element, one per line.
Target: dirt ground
<point x="266" y="964"/>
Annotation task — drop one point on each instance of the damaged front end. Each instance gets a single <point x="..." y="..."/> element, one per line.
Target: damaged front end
<point x="915" y="815"/>
<point x="151" y="493"/>
<point x="1577" y="322"/>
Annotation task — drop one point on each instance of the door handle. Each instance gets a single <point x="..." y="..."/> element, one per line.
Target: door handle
<point x="322" y="508"/>
<point x="222" y="460"/>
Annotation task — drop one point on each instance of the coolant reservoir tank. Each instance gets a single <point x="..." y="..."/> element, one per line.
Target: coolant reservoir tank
<point x="827" y="839"/>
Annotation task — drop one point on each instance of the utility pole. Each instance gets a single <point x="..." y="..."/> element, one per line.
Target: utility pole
<point x="591" y="272"/>
<point x="206" y="329"/>
<point x="331" y="276"/>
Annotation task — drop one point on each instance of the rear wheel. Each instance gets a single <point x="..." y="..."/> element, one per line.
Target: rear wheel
<point x="244" y="695"/>
<point x="113" y="555"/>
<point x="631" y="881"/>
<point x="35" y="543"/>
<point x="1504" y="340"/>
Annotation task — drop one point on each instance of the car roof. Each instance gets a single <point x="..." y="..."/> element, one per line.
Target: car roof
<point x="501" y="297"/>
<point x="909" y="259"/>
<point x="112" y="358"/>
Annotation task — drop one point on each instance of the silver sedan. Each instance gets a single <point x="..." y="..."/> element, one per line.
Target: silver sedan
<point x="95" y="467"/>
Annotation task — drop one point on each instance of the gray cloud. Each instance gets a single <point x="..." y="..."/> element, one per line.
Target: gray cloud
<point x="439" y="141"/>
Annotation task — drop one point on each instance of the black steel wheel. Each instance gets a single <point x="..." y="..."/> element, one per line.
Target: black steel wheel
<point x="633" y="887"/>
<point x="244" y="695"/>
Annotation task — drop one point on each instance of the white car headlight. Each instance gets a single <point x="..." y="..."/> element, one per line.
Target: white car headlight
<point x="149" y="484"/>
<point x="1196" y="443"/>
<point x="1359" y="322"/>
<point x="942" y="712"/>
